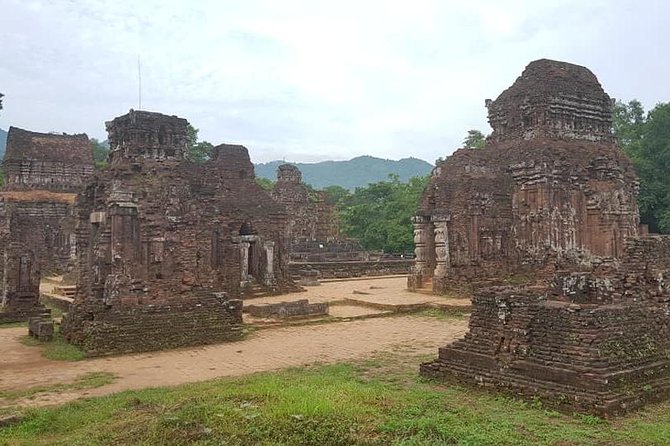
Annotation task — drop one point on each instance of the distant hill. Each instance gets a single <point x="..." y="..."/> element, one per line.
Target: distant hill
<point x="3" y="143"/>
<point x="356" y="172"/>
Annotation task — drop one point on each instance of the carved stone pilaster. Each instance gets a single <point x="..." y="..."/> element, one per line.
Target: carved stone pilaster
<point x="441" y="249"/>
<point x="269" y="271"/>
<point x="421" y="232"/>
<point x="244" y="261"/>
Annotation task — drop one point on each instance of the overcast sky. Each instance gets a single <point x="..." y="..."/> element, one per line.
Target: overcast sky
<point x="313" y="80"/>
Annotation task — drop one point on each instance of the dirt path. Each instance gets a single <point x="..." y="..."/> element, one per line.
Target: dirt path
<point x="23" y="367"/>
<point x="381" y="290"/>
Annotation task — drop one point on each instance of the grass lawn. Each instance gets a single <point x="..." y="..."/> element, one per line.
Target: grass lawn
<point x="378" y="402"/>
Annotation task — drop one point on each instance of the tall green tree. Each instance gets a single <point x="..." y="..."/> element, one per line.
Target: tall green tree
<point x="336" y="194"/>
<point x="199" y="151"/>
<point x="1" y="96"/>
<point x="474" y="140"/>
<point x="100" y="153"/>
<point x="628" y="121"/>
<point x="646" y="139"/>
<point x="379" y="215"/>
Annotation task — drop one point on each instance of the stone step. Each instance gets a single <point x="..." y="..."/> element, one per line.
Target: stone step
<point x="65" y="290"/>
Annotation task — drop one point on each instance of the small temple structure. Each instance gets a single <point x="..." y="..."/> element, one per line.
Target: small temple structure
<point x="166" y="247"/>
<point x="551" y="199"/>
<point x="311" y="218"/>
<point x="551" y="189"/>
<point x="43" y="172"/>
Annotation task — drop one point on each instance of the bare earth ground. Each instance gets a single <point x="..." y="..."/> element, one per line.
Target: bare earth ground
<point x="23" y="367"/>
<point x="383" y="290"/>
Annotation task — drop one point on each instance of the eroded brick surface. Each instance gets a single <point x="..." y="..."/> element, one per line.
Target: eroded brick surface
<point x="550" y="188"/>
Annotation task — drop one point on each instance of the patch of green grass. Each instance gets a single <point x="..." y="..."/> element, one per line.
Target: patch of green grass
<point x="14" y="325"/>
<point x="379" y="401"/>
<point x="444" y="314"/>
<point x="88" y="381"/>
<point x="57" y="349"/>
<point x="55" y="311"/>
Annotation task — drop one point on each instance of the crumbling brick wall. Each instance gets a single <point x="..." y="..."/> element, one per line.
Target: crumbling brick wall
<point x="129" y="327"/>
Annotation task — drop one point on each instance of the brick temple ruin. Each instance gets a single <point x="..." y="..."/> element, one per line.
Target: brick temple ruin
<point x="166" y="247"/>
<point x="43" y="173"/>
<point x="317" y="248"/>
<point x="312" y="220"/>
<point x="552" y="197"/>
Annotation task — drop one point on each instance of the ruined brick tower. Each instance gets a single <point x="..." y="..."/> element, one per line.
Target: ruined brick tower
<point x="166" y="246"/>
<point x="43" y="172"/>
<point x="551" y="188"/>
<point x="553" y="197"/>
<point x="311" y="218"/>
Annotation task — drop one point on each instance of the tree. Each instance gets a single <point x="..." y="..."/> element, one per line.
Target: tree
<point x="1" y="96"/>
<point x="100" y="153"/>
<point x="199" y="151"/>
<point x="474" y="140"/>
<point x="336" y="194"/>
<point x="646" y="139"/>
<point x="628" y="120"/>
<point x="379" y="215"/>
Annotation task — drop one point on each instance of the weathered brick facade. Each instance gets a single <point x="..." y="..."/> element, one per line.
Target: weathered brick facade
<point x="166" y="246"/>
<point x="43" y="172"/>
<point x="551" y="196"/>
<point x="550" y="188"/>
<point x="47" y="161"/>
<point x="311" y="219"/>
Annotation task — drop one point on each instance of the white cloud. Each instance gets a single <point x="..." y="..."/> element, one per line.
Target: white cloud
<point x="305" y="80"/>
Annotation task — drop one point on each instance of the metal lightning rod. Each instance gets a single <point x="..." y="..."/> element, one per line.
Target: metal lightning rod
<point x="139" y="78"/>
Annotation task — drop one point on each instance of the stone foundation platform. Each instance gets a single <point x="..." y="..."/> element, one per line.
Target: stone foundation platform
<point x="138" y="328"/>
<point x="599" y="358"/>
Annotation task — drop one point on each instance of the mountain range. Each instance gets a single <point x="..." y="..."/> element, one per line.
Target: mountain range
<point x="357" y="172"/>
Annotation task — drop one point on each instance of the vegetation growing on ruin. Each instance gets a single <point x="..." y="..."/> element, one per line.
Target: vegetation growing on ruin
<point x="199" y="151"/>
<point x="474" y="140"/>
<point x="380" y="401"/>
